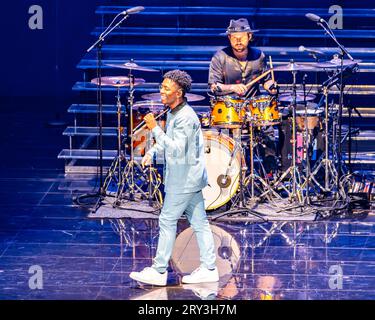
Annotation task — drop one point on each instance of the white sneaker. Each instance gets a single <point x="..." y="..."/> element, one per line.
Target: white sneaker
<point x="150" y="276"/>
<point x="202" y="274"/>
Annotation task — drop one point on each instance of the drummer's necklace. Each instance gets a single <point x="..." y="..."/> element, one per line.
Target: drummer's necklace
<point x="243" y="67"/>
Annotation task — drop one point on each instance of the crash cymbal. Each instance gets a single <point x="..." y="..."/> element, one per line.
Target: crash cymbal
<point x="336" y="63"/>
<point x="130" y="66"/>
<point x="288" y="97"/>
<point x="190" y="97"/>
<point x="117" y="81"/>
<point x="292" y="66"/>
<point x="148" y="106"/>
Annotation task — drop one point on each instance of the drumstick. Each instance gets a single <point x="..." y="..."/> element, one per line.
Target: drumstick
<point x="272" y="73"/>
<point x="257" y="79"/>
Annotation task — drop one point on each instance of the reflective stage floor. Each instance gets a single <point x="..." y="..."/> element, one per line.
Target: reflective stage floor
<point x="49" y="249"/>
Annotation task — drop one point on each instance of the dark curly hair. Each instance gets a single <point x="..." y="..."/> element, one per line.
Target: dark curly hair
<point x="182" y="78"/>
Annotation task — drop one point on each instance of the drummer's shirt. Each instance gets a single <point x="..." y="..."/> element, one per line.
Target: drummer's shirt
<point x="225" y="68"/>
<point x="183" y="148"/>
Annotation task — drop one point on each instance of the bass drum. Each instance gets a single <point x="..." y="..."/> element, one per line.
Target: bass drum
<point x="223" y="174"/>
<point x="185" y="256"/>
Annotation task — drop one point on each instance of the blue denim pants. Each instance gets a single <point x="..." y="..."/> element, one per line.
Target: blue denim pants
<point x="193" y="206"/>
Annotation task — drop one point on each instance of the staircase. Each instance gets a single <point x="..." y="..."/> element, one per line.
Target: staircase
<point x="167" y="37"/>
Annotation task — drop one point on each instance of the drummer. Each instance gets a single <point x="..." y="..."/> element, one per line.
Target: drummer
<point x="236" y="65"/>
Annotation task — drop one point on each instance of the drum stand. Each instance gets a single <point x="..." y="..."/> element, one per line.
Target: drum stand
<point x="126" y="181"/>
<point x="330" y="172"/>
<point x="242" y="207"/>
<point x="114" y="171"/>
<point x="293" y="195"/>
<point x="253" y="176"/>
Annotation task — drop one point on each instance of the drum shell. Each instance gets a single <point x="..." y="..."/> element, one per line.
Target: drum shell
<point x="228" y="112"/>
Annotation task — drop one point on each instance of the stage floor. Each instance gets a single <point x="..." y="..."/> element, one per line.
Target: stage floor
<point x="83" y="258"/>
<point x="43" y="234"/>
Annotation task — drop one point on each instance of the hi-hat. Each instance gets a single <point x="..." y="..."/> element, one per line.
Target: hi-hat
<point x="336" y="63"/>
<point x="117" y="81"/>
<point x="289" y="97"/>
<point x="130" y="66"/>
<point x="189" y="96"/>
<point x="292" y="66"/>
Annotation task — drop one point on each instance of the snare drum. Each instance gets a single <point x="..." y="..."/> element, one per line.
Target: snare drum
<point x="264" y="110"/>
<point x="223" y="180"/>
<point x="228" y="112"/>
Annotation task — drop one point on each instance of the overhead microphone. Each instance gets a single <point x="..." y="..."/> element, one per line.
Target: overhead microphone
<point x="314" y="17"/>
<point x="303" y="48"/>
<point x="133" y="10"/>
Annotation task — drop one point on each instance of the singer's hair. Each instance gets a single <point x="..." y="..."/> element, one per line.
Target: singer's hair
<point x="182" y="78"/>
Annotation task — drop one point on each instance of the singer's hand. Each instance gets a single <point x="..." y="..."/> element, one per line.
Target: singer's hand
<point x="240" y="89"/>
<point x="146" y="160"/>
<point x="150" y="121"/>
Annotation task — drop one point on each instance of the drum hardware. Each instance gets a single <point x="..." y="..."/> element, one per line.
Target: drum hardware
<point x="293" y="194"/>
<point x="330" y="173"/>
<point x="99" y="47"/>
<point x="241" y="207"/>
<point x="130" y="178"/>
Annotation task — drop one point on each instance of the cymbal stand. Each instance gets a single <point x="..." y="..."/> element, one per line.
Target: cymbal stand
<point x="117" y="164"/>
<point x="128" y="173"/>
<point x="293" y="195"/>
<point x="330" y="172"/>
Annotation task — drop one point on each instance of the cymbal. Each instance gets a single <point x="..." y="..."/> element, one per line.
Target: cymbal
<point x="130" y="66"/>
<point x="149" y="106"/>
<point x="189" y="96"/>
<point x="336" y="63"/>
<point x="288" y="97"/>
<point x="117" y="81"/>
<point x="292" y="66"/>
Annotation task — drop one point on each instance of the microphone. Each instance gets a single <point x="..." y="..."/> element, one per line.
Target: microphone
<point x="133" y="10"/>
<point x="303" y="48"/>
<point x="314" y="17"/>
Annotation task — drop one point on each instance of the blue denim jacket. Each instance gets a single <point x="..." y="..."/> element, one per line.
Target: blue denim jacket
<point x="183" y="147"/>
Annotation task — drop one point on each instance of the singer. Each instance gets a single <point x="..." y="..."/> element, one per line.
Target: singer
<point x="185" y="176"/>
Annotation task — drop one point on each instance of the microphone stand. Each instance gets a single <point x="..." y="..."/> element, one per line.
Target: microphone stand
<point x="343" y="52"/>
<point x="99" y="45"/>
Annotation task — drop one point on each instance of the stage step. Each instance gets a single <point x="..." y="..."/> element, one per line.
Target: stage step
<point x="94" y="108"/>
<point x="90" y="131"/>
<point x="234" y="12"/>
<point x="218" y="32"/>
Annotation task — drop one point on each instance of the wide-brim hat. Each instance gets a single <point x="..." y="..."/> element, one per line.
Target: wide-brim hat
<point x="240" y="25"/>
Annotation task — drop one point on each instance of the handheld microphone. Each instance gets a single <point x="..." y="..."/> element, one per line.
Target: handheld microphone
<point x="303" y="48"/>
<point x="314" y="17"/>
<point x="133" y="10"/>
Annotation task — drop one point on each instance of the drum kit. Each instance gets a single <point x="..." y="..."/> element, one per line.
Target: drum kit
<point x="236" y="130"/>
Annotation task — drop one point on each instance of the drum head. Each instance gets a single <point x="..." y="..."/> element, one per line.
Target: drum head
<point x="221" y="186"/>
<point x="185" y="256"/>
